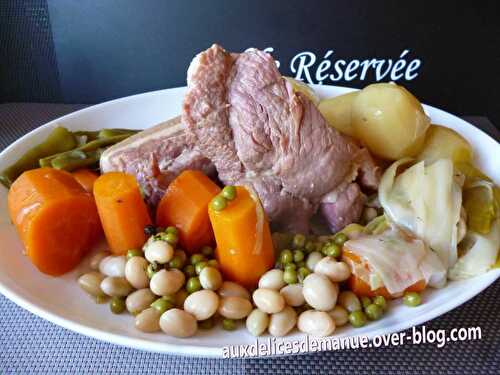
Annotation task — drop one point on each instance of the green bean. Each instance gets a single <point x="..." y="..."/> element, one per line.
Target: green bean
<point x="76" y="159"/>
<point x="108" y="133"/>
<point x="87" y="147"/>
<point x="59" y="140"/>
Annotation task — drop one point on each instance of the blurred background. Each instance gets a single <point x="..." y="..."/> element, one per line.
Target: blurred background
<point x="92" y="51"/>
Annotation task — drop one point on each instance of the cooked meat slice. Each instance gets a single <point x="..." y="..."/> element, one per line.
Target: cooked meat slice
<point x="370" y="172"/>
<point x="247" y="120"/>
<point x="155" y="157"/>
<point x="343" y="207"/>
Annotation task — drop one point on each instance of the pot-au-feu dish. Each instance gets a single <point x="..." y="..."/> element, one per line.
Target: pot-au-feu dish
<point x="259" y="205"/>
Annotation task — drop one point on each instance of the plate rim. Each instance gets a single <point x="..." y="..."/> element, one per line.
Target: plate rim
<point x="191" y="350"/>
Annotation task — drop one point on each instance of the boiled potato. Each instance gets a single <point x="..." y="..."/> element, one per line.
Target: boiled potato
<point x="299" y="86"/>
<point x="441" y="142"/>
<point x="337" y="111"/>
<point x="389" y="120"/>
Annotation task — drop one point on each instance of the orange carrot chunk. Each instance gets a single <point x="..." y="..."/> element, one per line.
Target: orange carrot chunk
<point x="122" y="211"/>
<point x="362" y="288"/>
<point x="244" y="245"/>
<point x="86" y="178"/>
<point x="55" y="217"/>
<point x="184" y="206"/>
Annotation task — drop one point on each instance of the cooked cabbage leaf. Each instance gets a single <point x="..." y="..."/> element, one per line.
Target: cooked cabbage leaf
<point x="425" y="200"/>
<point x="478" y="253"/>
<point x="398" y="260"/>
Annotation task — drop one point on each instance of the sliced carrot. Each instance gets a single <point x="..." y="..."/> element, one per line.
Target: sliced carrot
<point x="55" y="217"/>
<point x="362" y="288"/>
<point x="184" y="206"/>
<point x="244" y="245"/>
<point x="122" y="211"/>
<point x="86" y="178"/>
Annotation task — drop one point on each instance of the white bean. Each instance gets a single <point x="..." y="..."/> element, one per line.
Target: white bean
<point x="349" y="301"/>
<point x="272" y="279"/>
<point x="336" y="271"/>
<point x="210" y="278"/>
<point x="158" y="251"/>
<point x="257" y="322"/>
<point x="95" y="260"/>
<point x="139" y="300"/>
<point x="116" y="286"/>
<point x="313" y="259"/>
<point x="316" y="323"/>
<point x="178" y="323"/>
<point x="135" y="272"/>
<point x="268" y="300"/>
<point x="319" y="292"/>
<point x="91" y="283"/>
<point x="148" y="320"/>
<point x="113" y="265"/>
<point x="234" y="307"/>
<point x="339" y="315"/>
<point x="202" y="304"/>
<point x="230" y="289"/>
<point x="282" y="322"/>
<point x="166" y="282"/>
<point x="293" y="295"/>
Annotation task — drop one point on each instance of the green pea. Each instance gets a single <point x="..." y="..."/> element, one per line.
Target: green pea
<point x="340" y="238"/>
<point x="213" y="263"/>
<point x="310" y="247"/>
<point x="290" y="266"/>
<point x="229" y="324"/>
<point x="206" y="324"/>
<point x="365" y="301"/>
<point x="331" y="250"/>
<point x="207" y="251"/>
<point x="176" y="262"/>
<point x="299" y="240"/>
<point x="218" y="203"/>
<point x="117" y="305"/>
<point x="229" y="192"/>
<point x="162" y="305"/>
<point x="357" y="318"/>
<point x="189" y="270"/>
<point x="290" y="277"/>
<point x="193" y="284"/>
<point x="172" y="238"/>
<point x="199" y="266"/>
<point x="412" y="299"/>
<point x="286" y="256"/>
<point x="304" y="272"/>
<point x="298" y="256"/>
<point x="195" y="258"/>
<point x="152" y="269"/>
<point x="380" y="301"/>
<point x="373" y="312"/>
<point x="172" y="230"/>
<point x="302" y="263"/>
<point x="134" y="253"/>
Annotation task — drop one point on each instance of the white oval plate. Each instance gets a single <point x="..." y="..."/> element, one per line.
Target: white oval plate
<point x="60" y="301"/>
